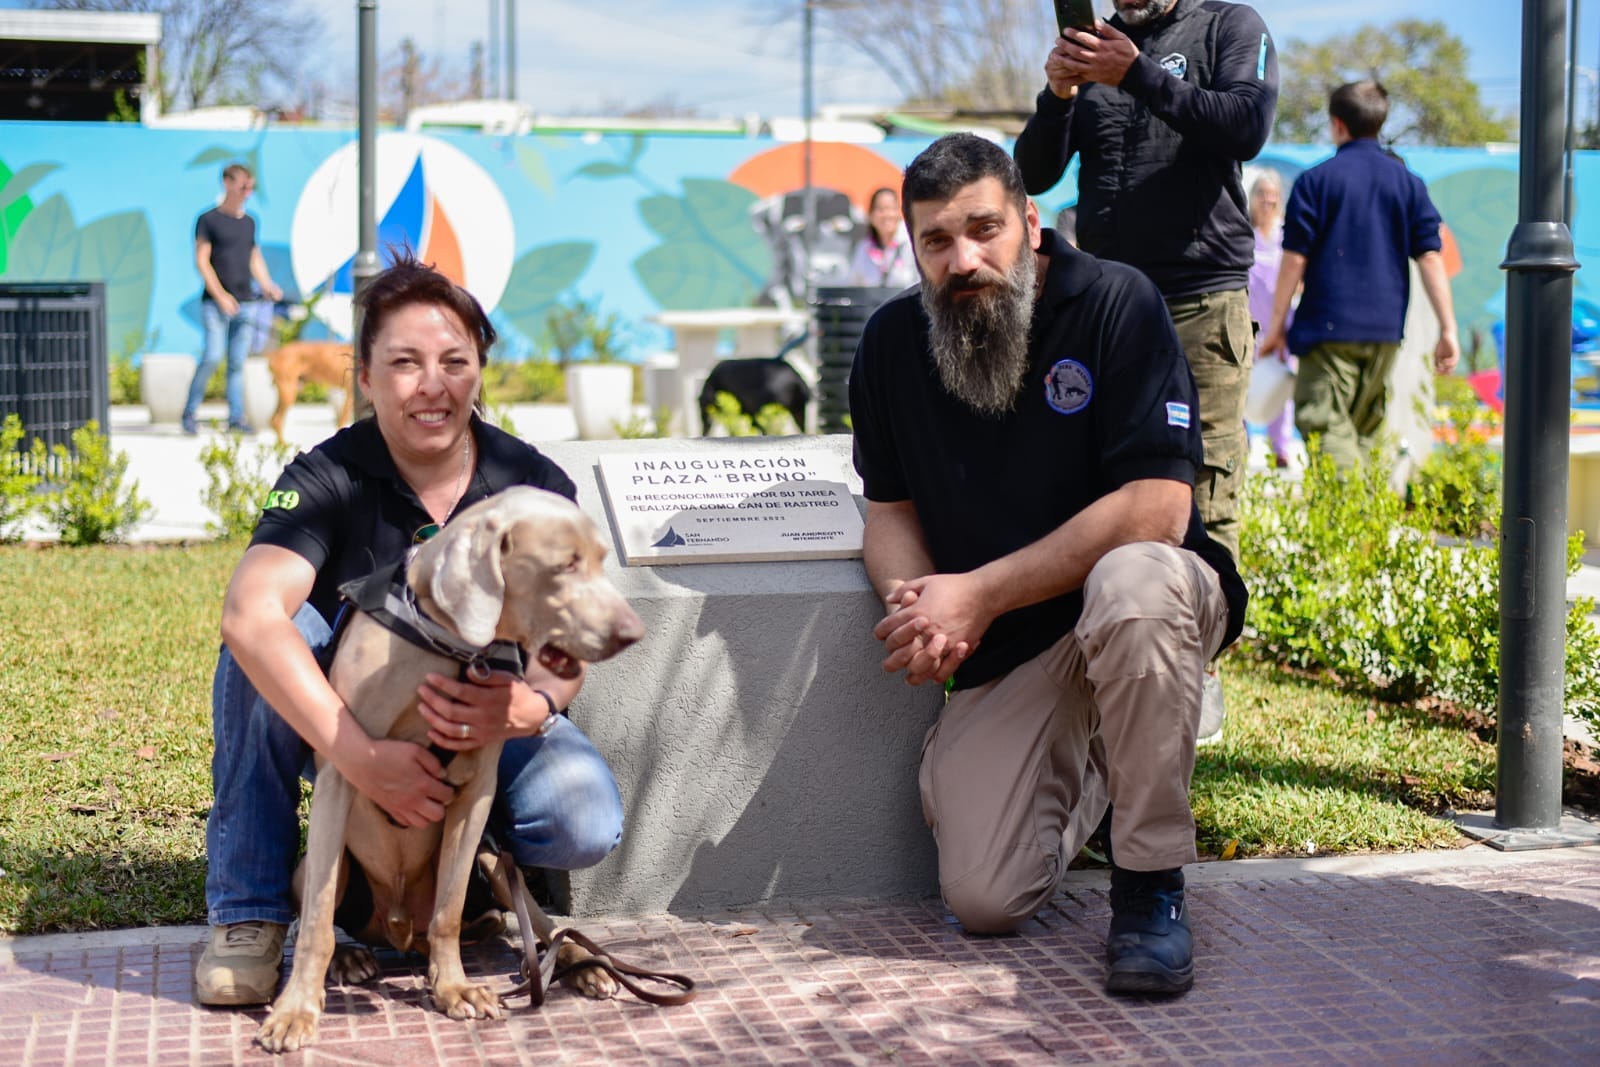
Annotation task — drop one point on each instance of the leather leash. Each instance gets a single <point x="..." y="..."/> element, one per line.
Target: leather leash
<point x="540" y="974"/>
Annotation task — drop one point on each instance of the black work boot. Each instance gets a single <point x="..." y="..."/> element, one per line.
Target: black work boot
<point x="1149" y="948"/>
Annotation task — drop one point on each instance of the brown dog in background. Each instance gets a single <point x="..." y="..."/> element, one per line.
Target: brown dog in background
<point x="326" y="362"/>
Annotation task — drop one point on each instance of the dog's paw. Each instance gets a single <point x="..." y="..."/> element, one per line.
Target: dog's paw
<point x="353" y="965"/>
<point x="288" y="1028"/>
<point x="468" y="1000"/>
<point x="592" y="982"/>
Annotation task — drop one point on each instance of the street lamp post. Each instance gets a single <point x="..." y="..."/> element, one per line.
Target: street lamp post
<point x="1571" y="110"/>
<point x="511" y="49"/>
<point x="1533" y="526"/>
<point x="810" y="195"/>
<point x="366" y="261"/>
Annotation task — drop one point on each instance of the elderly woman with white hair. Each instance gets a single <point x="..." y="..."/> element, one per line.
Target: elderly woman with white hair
<point x="1266" y="218"/>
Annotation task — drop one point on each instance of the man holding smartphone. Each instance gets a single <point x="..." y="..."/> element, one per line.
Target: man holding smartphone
<point x="1162" y="104"/>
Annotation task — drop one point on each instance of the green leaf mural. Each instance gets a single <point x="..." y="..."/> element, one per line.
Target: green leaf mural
<point x="710" y="254"/>
<point x="538" y="278"/>
<point x="1480" y="207"/>
<point x="668" y="217"/>
<point x="118" y="249"/>
<point x="14" y="187"/>
<point x="636" y="145"/>
<point x="45" y="248"/>
<point x="602" y="169"/>
<point x="531" y="162"/>
<point x="11" y="215"/>
<point x="250" y="157"/>
<point x="214" y="154"/>
<point x="692" y="275"/>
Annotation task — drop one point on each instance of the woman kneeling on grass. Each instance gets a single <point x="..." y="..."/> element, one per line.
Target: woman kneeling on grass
<point x="353" y="504"/>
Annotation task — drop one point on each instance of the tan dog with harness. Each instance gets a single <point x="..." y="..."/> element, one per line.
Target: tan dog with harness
<point x="522" y="568"/>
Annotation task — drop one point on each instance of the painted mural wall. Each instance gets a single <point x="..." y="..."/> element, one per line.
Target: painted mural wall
<point x="641" y="224"/>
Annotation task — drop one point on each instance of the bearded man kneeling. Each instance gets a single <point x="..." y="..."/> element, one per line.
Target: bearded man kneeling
<point x="1027" y="436"/>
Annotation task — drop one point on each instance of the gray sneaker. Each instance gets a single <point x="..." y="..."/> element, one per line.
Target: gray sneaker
<point x="240" y="964"/>
<point x="1213" y="711"/>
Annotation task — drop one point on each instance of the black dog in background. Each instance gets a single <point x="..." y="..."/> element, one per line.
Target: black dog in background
<point x="755" y="383"/>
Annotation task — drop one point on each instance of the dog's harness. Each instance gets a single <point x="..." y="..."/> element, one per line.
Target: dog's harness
<point x="390" y="601"/>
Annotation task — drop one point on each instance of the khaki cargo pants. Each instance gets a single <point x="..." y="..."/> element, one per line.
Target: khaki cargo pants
<point x="1219" y="340"/>
<point x="1016" y="773"/>
<point x="1342" y="395"/>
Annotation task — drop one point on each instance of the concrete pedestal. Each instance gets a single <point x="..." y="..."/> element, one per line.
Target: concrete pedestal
<point x="761" y="751"/>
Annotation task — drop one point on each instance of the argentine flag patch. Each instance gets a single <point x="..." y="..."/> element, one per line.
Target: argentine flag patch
<point x="1178" y="415"/>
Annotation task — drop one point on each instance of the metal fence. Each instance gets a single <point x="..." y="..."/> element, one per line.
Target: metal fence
<point x="53" y="362"/>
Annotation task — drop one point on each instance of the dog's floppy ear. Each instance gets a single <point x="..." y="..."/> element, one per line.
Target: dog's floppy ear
<point x="465" y="580"/>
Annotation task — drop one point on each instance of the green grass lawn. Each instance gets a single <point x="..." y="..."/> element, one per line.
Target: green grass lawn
<point x="105" y="676"/>
<point x="105" y="733"/>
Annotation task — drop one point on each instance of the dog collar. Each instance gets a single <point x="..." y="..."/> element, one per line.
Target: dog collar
<point x="388" y="599"/>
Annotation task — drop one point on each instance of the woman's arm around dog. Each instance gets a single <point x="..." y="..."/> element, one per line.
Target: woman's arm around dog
<point x="268" y="587"/>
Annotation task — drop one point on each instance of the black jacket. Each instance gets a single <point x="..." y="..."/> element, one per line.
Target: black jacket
<point x="1159" y="184"/>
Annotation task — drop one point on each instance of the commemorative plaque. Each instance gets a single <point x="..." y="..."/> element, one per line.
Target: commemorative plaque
<point x="746" y="505"/>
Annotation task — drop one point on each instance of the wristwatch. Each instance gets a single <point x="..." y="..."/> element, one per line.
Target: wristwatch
<point x="550" y="719"/>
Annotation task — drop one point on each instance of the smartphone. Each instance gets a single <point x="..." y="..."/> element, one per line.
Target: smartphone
<point x="1075" y="15"/>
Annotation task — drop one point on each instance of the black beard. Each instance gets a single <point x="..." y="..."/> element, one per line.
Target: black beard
<point x="980" y="345"/>
<point x="1144" y="13"/>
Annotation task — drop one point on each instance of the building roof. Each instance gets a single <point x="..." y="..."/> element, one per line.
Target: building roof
<point x="82" y="66"/>
<point x="89" y="27"/>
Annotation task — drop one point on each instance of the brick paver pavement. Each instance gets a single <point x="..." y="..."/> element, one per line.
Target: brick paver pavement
<point x="1447" y="958"/>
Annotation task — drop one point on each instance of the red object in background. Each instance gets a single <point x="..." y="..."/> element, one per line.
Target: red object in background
<point x="1486" y="383"/>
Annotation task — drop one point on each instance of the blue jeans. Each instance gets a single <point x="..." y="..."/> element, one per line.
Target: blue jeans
<point x="234" y="336"/>
<point x="556" y="804"/>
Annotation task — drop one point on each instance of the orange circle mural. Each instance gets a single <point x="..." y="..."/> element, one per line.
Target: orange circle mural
<point x="853" y="170"/>
<point x="1450" y="251"/>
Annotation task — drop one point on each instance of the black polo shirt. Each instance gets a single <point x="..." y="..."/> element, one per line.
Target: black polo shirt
<point x="346" y="509"/>
<point x="1108" y="400"/>
<point x="232" y="240"/>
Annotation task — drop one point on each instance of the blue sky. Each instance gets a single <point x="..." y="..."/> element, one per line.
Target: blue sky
<point x="737" y="56"/>
<point x="734" y="57"/>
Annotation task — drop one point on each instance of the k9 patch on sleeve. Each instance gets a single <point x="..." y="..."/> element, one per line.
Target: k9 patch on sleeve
<point x="1068" y="387"/>
<point x="1178" y="415"/>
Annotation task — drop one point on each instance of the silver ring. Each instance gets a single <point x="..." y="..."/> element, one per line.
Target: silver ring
<point x="466" y="731"/>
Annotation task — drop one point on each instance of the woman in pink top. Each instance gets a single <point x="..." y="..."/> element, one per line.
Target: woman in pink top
<point x="884" y="258"/>
<point x="1266" y="217"/>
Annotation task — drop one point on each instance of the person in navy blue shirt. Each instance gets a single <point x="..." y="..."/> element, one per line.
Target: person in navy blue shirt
<point x="1351" y="225"/>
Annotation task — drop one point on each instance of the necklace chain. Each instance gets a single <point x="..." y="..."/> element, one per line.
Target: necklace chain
<point x="461" y="478"/>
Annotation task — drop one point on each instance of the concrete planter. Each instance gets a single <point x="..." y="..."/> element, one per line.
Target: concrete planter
<point x="260" y="393"/>
<point x="164" y="384"/>
<point x="601" y="398"/>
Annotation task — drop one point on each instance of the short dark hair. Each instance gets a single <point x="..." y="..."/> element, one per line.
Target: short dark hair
<point x="1362" y="106"/>
<point x="408" y="281"/>
<point x="954" y="162"/>
<point x="233" y="170"/>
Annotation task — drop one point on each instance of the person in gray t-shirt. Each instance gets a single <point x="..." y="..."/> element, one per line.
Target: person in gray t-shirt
<point x="231" y="266"/>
